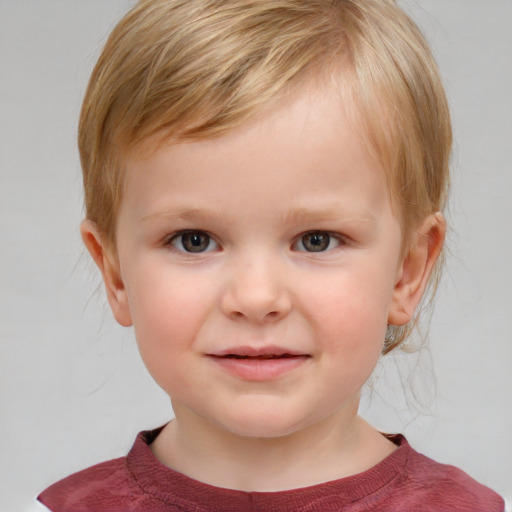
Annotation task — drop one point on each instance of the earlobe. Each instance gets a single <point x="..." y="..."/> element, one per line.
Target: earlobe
<point x="108" y="264"/>
<point x="416" y="267"/>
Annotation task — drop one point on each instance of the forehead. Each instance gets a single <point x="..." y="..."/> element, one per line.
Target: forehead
<point x="305" y="141"/>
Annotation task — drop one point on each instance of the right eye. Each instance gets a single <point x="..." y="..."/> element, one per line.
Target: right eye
<point x="193" y="242"/>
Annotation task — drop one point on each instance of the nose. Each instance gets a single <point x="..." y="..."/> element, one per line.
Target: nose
<point x="256" y="291"/>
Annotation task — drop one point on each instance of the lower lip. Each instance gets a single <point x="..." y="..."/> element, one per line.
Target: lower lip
<point x="260" y="370"/>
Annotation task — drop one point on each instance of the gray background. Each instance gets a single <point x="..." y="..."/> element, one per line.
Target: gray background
<point x="72" y="389"/>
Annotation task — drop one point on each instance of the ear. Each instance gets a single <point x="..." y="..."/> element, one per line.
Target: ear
<point x="108" y="263"/>
<point x="416" y="267"/>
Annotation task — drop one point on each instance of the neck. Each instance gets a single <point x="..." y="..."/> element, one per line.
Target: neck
<point x="340" y="446"/>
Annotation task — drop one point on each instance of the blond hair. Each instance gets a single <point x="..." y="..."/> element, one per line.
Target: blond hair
<point x="200" y="68"/>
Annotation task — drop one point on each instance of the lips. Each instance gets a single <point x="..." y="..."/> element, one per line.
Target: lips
<point x="270" y="356"/>
<point x="267" y="351"/>
<point x="259" y="364"/>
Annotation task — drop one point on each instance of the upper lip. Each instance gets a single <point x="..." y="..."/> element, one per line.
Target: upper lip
<point x="263" y="351"/>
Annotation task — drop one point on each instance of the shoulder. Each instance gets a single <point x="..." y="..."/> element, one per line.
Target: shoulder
<point x="92" y="488"/>
<point x="113" y="486"/>
<point x="435" y="486"/>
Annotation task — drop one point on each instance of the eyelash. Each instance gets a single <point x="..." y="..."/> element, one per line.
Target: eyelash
<point x="328" y="237"/>
<point x="179" y="237"/>
<point x="177" y="241"/>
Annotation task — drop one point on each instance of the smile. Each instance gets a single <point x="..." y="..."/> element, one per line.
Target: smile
<point x="272" y="356"/>
<point x="258" y="364"/>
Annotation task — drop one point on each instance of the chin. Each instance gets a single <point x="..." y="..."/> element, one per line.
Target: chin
<point x="261" y="426"/>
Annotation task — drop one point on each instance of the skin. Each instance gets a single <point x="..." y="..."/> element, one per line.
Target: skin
<point x="258" y="199"/>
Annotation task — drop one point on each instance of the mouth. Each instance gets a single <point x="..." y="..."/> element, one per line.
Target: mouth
<point x="259" y="364"/>
<point x="262" y="357"/>
<point x="266" y="352"/>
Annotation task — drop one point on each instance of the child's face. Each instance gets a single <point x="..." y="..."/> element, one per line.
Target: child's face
<point x="260" y="269"/>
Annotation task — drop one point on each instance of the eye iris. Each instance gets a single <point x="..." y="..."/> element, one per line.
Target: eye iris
<point x="316" y="242"/>
<point x="195" y="242"/>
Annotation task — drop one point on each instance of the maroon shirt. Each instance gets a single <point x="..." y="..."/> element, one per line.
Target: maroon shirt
<point x="403" y="481"/>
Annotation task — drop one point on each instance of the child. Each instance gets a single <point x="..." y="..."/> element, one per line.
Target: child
<point x="264" y="183"/>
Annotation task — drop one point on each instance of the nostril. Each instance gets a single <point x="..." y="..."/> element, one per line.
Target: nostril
<point x="269" y="316"/>
<point x="251" y="304"/>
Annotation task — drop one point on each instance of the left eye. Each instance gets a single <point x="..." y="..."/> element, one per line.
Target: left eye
<point x="193" y="242"/>
<point x="317" y="241"/>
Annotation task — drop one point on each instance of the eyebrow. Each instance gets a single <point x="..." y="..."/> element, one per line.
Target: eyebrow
<point x="327" y="214"/>
<point x="301" y="214"/>
<point x="181" y="213"/>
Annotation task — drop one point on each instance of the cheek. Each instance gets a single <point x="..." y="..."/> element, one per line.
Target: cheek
<point x="159" y="295"/>
<point x="353" y="333"/>
<point x="352" y="338"/>
<point x="350" y="308"/>
<point x="348" y="318"/>
<point x="167" y="313"/>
